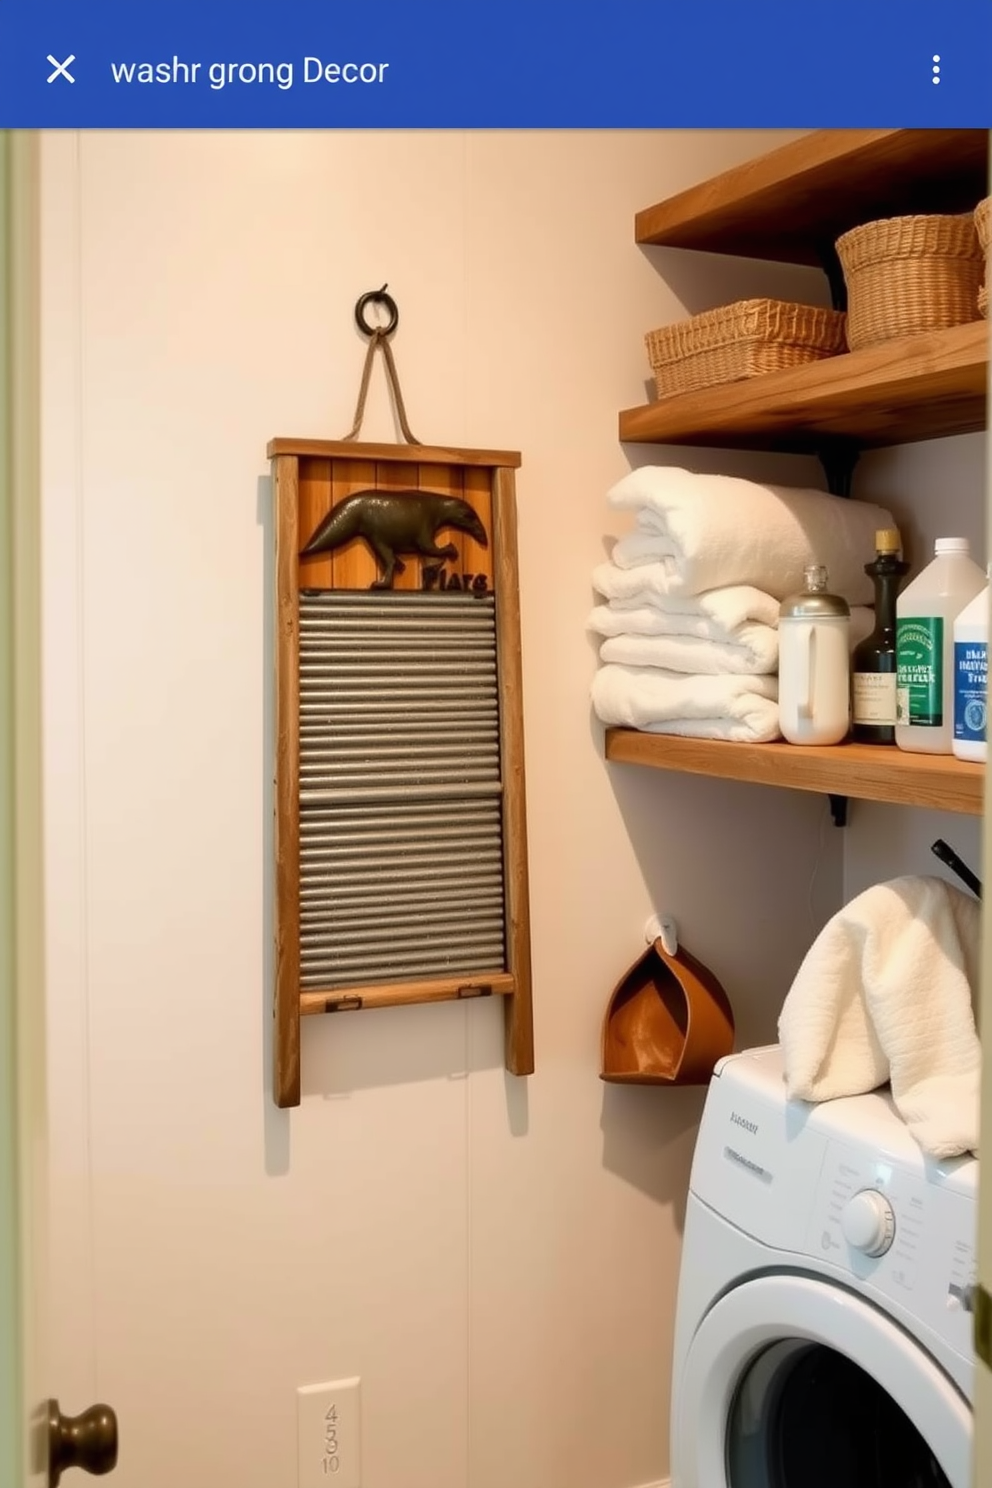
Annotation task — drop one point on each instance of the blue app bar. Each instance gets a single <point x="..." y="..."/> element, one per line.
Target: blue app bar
<point x="495" y="64"/>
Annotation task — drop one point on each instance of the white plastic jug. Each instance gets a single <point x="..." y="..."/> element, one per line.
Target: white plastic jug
<point x="814" y="664"/>
<point x="925" y="614"/>
<point x="971" y="645"/>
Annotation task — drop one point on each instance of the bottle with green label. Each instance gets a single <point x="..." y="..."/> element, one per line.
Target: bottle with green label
<point x="925" y="615"/>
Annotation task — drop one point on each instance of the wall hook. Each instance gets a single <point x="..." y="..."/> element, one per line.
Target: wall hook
<point x="663" y="928"/>
<point x="377" y="297"/>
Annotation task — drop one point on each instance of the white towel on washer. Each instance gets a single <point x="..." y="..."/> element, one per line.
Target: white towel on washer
<point x="884" y="994"/>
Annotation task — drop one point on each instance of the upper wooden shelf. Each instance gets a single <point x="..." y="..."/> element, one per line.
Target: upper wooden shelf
<point x="861" y="771"/>
<point x="793" y="203"/>
<point x="923" y="387"/>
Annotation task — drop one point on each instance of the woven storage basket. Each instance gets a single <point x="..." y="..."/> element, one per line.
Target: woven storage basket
<point x="983" y="226"/>
<point x="746" y="339"/>
<point x="905" y="275"/>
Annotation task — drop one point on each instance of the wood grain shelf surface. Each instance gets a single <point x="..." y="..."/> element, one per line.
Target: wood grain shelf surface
<point x="789" y="204"/>
<point x="861" y="771"/>
<point x="921" y="387"/>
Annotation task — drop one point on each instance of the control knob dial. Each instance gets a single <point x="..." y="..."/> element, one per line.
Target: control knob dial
<point x="868" y="1222"/>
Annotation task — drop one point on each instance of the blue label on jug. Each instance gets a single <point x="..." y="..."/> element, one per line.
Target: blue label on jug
<point x="970" y="691"/>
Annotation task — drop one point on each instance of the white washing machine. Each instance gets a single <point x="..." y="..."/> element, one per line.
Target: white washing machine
<point x="824" y="1326"/>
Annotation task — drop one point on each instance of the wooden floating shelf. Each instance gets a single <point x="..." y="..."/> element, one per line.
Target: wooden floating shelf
<point x="861" y="771"/>
<point x="922" y="387"/>
<point x="790" y="204"/>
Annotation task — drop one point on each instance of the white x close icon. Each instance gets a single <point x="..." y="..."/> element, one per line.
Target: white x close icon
<point x="62" y="68"/>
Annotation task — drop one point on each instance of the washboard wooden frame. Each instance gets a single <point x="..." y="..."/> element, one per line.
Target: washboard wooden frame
<point x="311" y="478"/>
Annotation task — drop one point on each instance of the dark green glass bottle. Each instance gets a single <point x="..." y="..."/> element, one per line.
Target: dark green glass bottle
<point x="873" y="665"/>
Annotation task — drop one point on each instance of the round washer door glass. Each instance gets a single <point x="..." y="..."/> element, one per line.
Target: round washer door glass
<point x="805" y="1416"/>
<point x="771" y="1381"/>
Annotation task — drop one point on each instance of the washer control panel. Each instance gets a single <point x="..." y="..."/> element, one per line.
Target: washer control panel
<point x="909" y="1233"/>
<point x="843" y="1185"/>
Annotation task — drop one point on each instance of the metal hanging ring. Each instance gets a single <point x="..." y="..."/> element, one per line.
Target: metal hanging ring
<point x="377" y="297"/>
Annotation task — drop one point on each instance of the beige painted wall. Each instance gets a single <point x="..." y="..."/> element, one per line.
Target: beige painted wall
<point x="496" y="1259"/>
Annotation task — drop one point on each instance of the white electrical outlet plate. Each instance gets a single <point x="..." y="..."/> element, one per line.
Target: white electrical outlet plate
<point x="329" y="1427"/>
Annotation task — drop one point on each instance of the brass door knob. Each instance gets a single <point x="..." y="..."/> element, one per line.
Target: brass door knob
<point x="88" y="1441"/>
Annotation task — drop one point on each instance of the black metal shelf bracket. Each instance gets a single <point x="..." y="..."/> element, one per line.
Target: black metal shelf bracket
<point x="831" y="266"/>
<point x="838" y="810"/>
<point x="839" y="458"/>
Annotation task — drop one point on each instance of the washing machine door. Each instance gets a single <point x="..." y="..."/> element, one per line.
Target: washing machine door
<point x="793" y="1383"/>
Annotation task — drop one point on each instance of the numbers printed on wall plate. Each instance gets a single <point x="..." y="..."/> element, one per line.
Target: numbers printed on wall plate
<point x="329" y="1435"/>
<point x="331" y="1460"/>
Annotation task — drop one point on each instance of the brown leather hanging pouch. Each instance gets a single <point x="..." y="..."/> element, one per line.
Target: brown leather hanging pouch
<point x="668" y="1022"/>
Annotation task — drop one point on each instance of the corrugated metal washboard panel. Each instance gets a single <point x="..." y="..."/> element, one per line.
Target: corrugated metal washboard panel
<point x="401" y="841"/>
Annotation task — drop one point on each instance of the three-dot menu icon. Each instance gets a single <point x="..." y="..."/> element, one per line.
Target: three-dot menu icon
<point x="936" y="69"/>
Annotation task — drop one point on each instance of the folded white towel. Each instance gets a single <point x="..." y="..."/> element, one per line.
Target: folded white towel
<point x="680" y="635"/>
<point x="755" y="653"/>
<point x="885" y="994"/>
<point x="711" y="530"/>
<point x="744" y="709"/>
<point x="713" y="616"/>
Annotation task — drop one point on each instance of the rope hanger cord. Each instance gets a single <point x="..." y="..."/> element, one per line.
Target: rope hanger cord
<point x="379" y="341"/>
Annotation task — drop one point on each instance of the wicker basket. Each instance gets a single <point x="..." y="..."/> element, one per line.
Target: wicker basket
<point x="905" y="275"/>
<point x="746" y="339"/>
<point x="983" y="226"/>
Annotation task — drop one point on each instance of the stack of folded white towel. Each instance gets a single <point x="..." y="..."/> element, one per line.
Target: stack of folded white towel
<point x="691" y="597"/>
